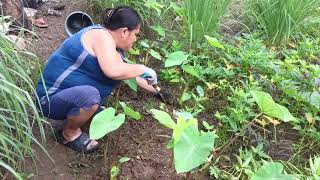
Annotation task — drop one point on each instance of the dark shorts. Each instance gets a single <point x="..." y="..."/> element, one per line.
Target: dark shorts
<point x="69" y="101"/>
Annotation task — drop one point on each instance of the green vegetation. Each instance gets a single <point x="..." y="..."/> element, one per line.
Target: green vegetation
<point x="248" y="104"/>
<point x="191" y="147"/>
<point x="202" y="17"/>
<point x="281" y="19"/>
<point x="254" y="88"/>
<point x="18" y="113"/>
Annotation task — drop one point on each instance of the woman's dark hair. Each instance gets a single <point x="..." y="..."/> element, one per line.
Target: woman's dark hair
<point x="121" y="17"/>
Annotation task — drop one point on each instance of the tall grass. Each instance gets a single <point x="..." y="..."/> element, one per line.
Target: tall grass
<point x="203" y="17"/>
<point x="281" y="19"/>
<point x="18" y="113"/>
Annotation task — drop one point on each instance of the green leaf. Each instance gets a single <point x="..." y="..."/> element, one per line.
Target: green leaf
<point x="134" y="51"/>
<point x="132" y="83"/>
<point x="207" y="125"/>
<point x="105" y="122"/>
<point x="214" y="42"/>
<point x="124" y="159"/>
<point x="130" y="112"/>
<point x="270" y="108"/>
<point x="185" y="115"/>
<point x="155" y="54"/>
<point x="190" y="70"/>
<point x="272" y="171"/>
<point x="186" y="96"/>
<point x="170" y="144"/>
<point x="193" y="149"/>
<point x="200" y="91"/>
<point x="114" y="171"/>
<point x="144" y="44"/>
<point x="176" y="58"/>
<point x="315" y="99"/>
<point x="160" y="30"/>
<point x="7" y="167"/>
<point x="182" y="124"/>
<point x="164" y="118"/>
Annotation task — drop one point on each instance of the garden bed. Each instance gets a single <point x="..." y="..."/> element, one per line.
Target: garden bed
<point x="234" y="83"/>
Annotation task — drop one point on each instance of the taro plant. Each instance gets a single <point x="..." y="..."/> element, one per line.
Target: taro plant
<point x="191" y="147"/>
<point x="18" y="112"/>
<point x="176" y="59"/>
<point x="271" y="108"/>
<point x="281" y="19"/>
<point x="107" y="121"/>
<point x="202" y="17"/>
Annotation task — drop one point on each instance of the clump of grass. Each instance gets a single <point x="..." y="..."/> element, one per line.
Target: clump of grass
<point x="281" y="19"/>
<point x="18" y="112"/>
<point x="203" y="17"/>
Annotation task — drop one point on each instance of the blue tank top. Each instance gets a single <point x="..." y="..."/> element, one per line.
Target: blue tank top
<point x="72" y="65"/>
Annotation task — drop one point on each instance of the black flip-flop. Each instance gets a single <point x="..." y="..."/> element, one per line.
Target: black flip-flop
<point x="77" y="144"/>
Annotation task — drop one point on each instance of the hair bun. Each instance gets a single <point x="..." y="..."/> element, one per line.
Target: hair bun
<point x="110" y="12"/>
<point x="120" y="17"/>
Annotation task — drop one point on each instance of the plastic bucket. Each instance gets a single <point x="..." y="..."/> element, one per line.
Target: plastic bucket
<point x="76" y="21"/>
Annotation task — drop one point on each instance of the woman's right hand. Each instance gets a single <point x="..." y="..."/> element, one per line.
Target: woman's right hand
<point x="150" y="75"/>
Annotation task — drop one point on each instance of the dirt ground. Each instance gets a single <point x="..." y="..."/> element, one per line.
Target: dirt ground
<point x="144" y="141"/>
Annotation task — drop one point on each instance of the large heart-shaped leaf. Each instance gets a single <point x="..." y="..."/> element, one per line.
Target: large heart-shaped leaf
<point x="164" y="118"/>
<point x="192" y="149"/>
<point x="130" y="112"/>
<point x="182" y="124"/>
<point x="176" y="58"/>
<point x="272" y="171"/>
<point x="105" y="122"/>
<point x="270" y="108"/>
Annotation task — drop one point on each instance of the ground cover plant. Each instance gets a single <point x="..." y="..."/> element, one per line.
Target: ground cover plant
<point x="247" y="104"/>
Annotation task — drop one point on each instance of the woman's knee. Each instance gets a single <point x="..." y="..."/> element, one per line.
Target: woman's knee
<point x="91" y="94"/>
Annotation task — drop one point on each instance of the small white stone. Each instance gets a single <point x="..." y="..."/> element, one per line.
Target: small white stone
<point x="18" y="41"/>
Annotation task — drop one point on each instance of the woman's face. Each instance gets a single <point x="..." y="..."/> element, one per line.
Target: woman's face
<point x="129" y="38"/>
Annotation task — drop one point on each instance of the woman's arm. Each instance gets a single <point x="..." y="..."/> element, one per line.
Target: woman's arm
<point x="110" y="60"/>
<point x="144" y="84"/>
